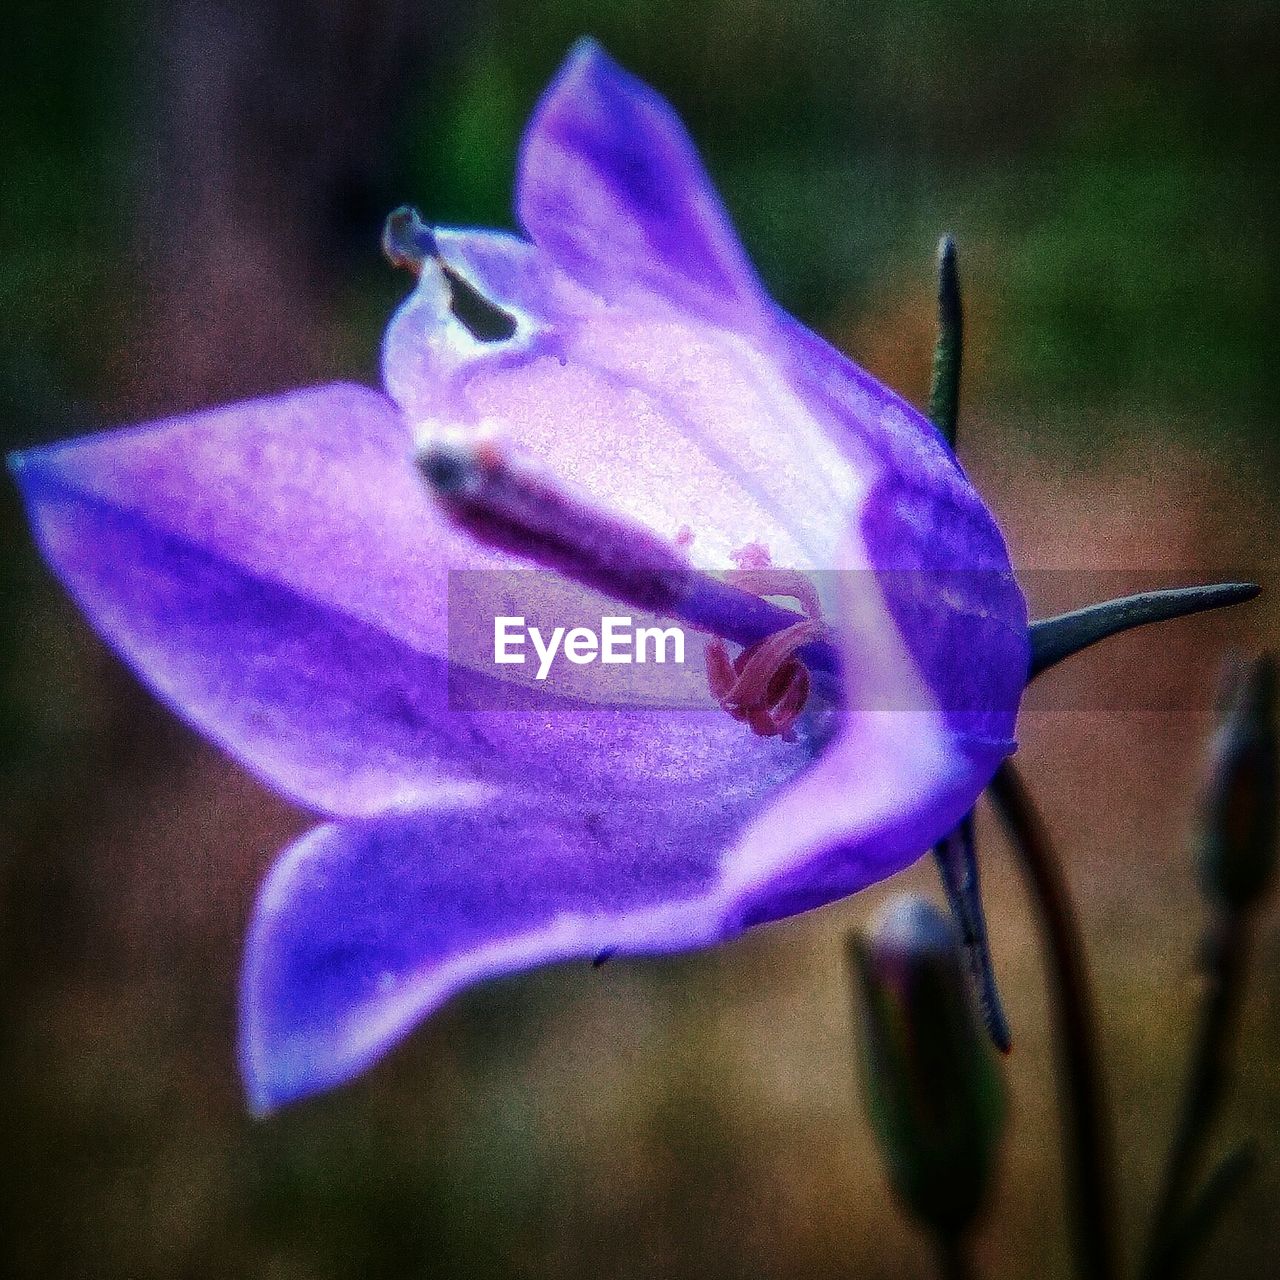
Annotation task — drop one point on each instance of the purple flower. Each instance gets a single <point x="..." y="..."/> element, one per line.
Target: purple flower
<point x="276" y="572"/>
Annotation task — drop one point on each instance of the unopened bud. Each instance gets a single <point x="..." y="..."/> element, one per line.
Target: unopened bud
<point x="932" y="1088"/>
<point x="1238" y="847"/>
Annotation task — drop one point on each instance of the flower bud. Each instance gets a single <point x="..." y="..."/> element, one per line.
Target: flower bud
<point x="1238" y="845"/>
<point x="932" y="1088"/>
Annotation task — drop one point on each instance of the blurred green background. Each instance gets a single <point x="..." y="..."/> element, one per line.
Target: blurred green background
<point x="192" y="195"/>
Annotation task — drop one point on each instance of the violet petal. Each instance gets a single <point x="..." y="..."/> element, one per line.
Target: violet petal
<point x="611" y="189"/>
<point x="361" y="929"/>
<point x="276" y="572"/>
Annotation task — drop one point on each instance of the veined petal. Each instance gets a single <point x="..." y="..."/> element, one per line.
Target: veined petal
<point x="685" y="427"/>
<point x="362" y="929"/>
<point x="611" y="189"/>
<point x="891" y="783"/>
<point x="274" y="572"/>
<point x="277" y="574"/>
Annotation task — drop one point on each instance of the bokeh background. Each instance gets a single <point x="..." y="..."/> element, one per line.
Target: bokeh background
<point x="192" y="194"/>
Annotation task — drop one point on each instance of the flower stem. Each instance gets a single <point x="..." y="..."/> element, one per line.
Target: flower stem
<point x="1225" y="960"/>
<point x="1087" y="1133"/>
<point x="1202" y="1214"/>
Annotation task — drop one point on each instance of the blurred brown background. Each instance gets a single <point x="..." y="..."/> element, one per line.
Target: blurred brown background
<point x="192" y="198"/>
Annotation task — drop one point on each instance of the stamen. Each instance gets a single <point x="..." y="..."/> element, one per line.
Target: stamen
<point x="763" y="661"/>
<point x="781" y="681"/>
<point x="510" y="503"/>
<point x="721" y="672"/>
<point x="793" y="701"/>
<point x="766" y="685"/>
<point x="754" y="555"/>
<point x="786" y="693"/>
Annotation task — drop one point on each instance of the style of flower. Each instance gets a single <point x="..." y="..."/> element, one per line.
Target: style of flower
<point x="644" y="420"/>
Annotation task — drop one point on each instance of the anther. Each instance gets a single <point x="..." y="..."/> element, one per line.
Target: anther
<point x="780" y="582"/>
<point x="762" y="662"/>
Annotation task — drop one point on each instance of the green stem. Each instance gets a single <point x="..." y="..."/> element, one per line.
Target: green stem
<point x="1087" y="1135"/>
<point x="957" y="861"/>
<point x="1053" y="639"/>
<point x="1204" y="1211"/>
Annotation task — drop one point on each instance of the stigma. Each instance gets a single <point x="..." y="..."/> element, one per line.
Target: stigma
<point x="767" y="686"/>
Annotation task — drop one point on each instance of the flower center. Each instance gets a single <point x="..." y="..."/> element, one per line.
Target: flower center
<point x="508" y="502"/>
<point x="766" y="686"/>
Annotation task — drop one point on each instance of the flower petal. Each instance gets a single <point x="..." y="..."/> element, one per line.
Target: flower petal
<point x="930" y="541"/>
<point x="683" y="426"/>
<point x="276" y="573"/>
<point x="361" y="929"/>
<point x="611" y="189"/>
<point x="867" y="809"/>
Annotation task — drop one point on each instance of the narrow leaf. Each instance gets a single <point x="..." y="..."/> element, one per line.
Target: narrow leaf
<point x="956" y="856"/>
<point x="1053" y="639"/>
<point x="948" y="351"/>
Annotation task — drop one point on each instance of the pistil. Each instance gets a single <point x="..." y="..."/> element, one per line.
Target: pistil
<point x="512" y="504"/>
